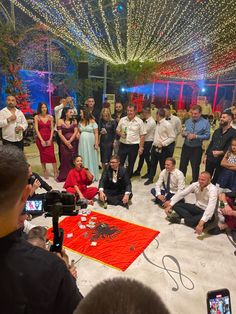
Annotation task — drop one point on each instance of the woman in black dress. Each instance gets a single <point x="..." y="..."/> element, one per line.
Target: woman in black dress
<point x="107" y="132"/>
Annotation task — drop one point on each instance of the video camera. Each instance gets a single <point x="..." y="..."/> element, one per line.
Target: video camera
<point x="57" y="204"/>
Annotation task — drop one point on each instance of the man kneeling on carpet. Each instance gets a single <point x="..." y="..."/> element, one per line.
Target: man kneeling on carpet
<point x="170" y="182"/>
<point x="201" y="213"/>
<point x="78" y="180"/>
<point x="115" y="186"/>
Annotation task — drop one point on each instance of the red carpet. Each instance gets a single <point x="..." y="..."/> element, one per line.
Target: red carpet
<point x="119" y="242"/>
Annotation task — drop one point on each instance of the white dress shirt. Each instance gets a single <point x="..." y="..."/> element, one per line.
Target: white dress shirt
<point x="164" y="133"/>
<point x="176" y="123"/>
<point x="177" y="181"/>
<point x="134" y="129"/>
<point x="8" y="128"/>
<point x="149" y="126"/>
<point x="206" y="199"/>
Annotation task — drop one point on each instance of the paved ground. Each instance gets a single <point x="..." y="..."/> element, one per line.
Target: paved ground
<point x="180" y="266"/>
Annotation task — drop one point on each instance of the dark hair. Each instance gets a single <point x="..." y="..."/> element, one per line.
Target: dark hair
<point x="197" y="107"/>
<point x="172" y="160"/>
<point x="115" y="157"/>
<point x="121" y="295"/>
<point x="14" y="175"/>
<point x="77" y="156"/>
<point x="161" y="112"/>
<point x="64" y="112"/>
<point x="87" y="115"/>
<point x="37" y="232"/>
<point x="229" y="113"/>
<point x="146" y="109"/>
<point x="132" y="106"/>
<point x="167" y="107"/>
<point x="39" y="109"/>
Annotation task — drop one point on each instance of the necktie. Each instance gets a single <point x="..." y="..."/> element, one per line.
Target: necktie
<point x="168" y="183"/>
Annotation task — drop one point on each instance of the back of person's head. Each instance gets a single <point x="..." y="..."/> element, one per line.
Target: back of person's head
<point x="37" y="232"/>
<point x="14" y="178"/>
<point x="121" y="296"/>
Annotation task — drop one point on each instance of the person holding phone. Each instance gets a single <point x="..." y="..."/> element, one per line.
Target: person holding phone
<point x="36" y="182"/>
<point x="78" y="180"/>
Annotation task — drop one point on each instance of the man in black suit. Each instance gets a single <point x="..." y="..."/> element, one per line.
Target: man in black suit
<point x="115" y="186"/>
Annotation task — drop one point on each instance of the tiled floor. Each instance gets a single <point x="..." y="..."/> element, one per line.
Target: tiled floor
<point x="179" y="265"/>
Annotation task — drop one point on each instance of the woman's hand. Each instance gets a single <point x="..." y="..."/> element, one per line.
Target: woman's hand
<point x="96" y="146"/>
<point x="43" y="143"/>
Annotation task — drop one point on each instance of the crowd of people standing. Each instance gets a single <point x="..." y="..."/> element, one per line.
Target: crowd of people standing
<point x="122" y="137"/>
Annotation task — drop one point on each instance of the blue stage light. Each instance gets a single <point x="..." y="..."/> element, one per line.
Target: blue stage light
<point x="203" y="90"/>
<point x="122" y="89"/>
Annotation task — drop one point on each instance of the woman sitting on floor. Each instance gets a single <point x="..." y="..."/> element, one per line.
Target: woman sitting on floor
<point x="78" y="179"/>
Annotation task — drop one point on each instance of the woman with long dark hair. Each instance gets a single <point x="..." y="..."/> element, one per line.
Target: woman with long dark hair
<point x="78" y="180"/>
<point x="43" y="123"/>
<point x="68" y="131"/>
<point x="88" y="145"/>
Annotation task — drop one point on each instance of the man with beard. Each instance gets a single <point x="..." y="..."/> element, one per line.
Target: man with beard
<point x="13" y="124"/>
<point x="219" y="144"/>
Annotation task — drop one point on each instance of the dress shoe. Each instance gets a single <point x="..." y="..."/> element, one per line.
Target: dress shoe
<point x="149" y="181"/>
<point x="173" y="217"/>
<point x="136" y="174"/>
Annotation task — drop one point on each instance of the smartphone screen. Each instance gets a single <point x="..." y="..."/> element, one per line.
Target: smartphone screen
<point x="218" y="302"/>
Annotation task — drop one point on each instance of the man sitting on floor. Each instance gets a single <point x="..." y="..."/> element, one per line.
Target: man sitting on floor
<point x="198" y="214"/>
<point x="115" y="185"/>
<point x="170" y="182"/>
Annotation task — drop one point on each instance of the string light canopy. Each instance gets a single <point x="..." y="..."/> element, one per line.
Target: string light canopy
<point x="190" y="38"/>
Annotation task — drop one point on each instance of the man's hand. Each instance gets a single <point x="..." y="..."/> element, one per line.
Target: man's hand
<point x="168" y="209"/>
<point x="161" y="198"/>
<point x="140" y="151"/>
<point x="166" y="204"/>
<point x="125" y="199"/>
<point x="19" y="128"/>
<point x="199" y="227"/>
<point x="102" y="196"/>
<point x="12" y="118"/>
<point x="191" y="136"/>
<point x="36" y="184"/>
<point x="204" y="160"/>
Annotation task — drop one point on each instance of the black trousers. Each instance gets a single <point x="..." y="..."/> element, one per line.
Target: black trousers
<point x="130" y="151"/>
<point x="160" y="157"/>
<point x="115" y="199"/>
<point x="146" y="155"/>
<point x="214" y="168"/>
<point x="191" y="213"/>
<point x="20" y="144"/>
<point x="192" y="155"/>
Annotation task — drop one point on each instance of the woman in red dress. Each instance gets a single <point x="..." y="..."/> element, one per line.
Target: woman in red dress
<point x="44" y="129"/>
<point x="78" y="179"/>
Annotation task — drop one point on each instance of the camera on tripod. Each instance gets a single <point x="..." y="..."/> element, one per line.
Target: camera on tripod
<point x="58" y="204"/>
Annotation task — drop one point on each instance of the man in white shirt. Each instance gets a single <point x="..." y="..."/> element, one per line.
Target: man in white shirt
<point x="163" y="144"/>
<point x="202" y="211"/>
<point x="170" y="182"/>
<point x="131" y="131"/>
<point x="13" y="124"/>
<point x="150" y="126"/>
<point x="174" y="120"/>
<point x="58" y="109"/>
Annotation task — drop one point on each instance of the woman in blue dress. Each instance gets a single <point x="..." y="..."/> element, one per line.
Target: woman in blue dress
<point x="88" y="142"/>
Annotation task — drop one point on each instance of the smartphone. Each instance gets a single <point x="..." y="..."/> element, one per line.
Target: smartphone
<point x="218" y="302"/>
